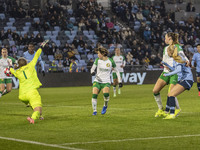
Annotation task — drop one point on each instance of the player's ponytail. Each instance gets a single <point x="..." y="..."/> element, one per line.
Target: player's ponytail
<point x="174" y="51"/>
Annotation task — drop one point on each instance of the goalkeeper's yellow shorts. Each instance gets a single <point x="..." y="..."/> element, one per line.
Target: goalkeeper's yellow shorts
<point x="32" y="97"/>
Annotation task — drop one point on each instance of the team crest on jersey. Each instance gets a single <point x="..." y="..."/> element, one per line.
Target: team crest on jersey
<point x="120" y="58"/>
<point x="107" y="65"/>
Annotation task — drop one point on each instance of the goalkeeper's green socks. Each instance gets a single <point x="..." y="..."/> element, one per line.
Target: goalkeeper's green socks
<point x="35" y="115"/>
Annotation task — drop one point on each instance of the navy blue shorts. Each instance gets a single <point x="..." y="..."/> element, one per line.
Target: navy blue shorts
<point x="187" y="84"/>
<point x="197" y="74"/>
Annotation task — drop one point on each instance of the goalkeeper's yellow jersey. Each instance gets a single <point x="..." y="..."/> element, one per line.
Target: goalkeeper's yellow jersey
<point x="27" y="75"/>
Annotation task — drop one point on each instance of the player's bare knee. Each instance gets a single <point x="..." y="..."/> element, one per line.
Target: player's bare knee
<point x="155" y="91"/>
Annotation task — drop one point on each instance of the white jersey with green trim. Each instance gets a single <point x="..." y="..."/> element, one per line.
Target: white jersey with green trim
<point x="104" y="68"/>
<point x="169" y="60"/>
<point x="4" y="63"/>
<point x="119" y="61"/>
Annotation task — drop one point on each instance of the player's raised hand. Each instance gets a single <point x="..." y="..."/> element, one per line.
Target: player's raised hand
<point x="44" y="43"/>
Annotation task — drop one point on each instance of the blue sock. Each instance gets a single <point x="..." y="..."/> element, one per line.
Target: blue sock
<point x="198" y="86"/>
<point x="167" y="106"/>
<point x="172" y="104"/>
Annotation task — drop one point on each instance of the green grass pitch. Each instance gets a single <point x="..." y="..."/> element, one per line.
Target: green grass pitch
<point x="129" y="123"/>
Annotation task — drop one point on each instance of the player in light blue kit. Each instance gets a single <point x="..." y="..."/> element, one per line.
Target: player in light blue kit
<point x="29" y="55"/>
<point x="185" y="79"/>
<point x="196" y="58"/>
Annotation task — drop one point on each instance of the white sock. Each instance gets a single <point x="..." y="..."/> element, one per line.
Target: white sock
<point x="158" y="101"/>
<point x="106" y="100"/>
<point x="114" y="89"/>
<point x="94" y="104"/>
<point x="118" y="88"/>
<point x="177" y="104"/>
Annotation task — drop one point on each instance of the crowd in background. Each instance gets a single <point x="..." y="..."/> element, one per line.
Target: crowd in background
<point x="142" y="42"/>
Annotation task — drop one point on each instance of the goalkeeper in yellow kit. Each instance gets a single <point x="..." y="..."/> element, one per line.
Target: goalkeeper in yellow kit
<point x="29" y="83"/>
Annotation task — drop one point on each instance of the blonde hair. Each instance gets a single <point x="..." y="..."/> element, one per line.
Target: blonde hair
<point x="4" y="49"/>
<point x="21" y="62"/>
<point x="174" y="51"/>
<point x="174" y="37"/>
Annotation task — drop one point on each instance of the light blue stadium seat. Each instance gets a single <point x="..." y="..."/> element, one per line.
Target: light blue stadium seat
<point x="9" y="23"/>
<point x="137" y="23"/>
<point x="35" y="32"/>
<point x="2" y="16"/>
<point x="73" y="32"/>
<point x="78" y="56"/>
<point x="85" y="32"/>
<point x="57" y="42"/>
<point x="55" y="32"/>
<point x="67" y="33"/>
<point x="26" y="28"/>
<point x="70" y="11"/>
<point x="136" y="28"/>
<point x="46" y="37"/>
<point x="69" y="41"/>
<point x="51" y="57"/>
<point x="91" y="32"/>
<point x="90" y="36"/>
<point x="71" y="37"/>
<point x="181" y="22"/>
<point x="148" y="22"/>
<point x="82" y="62"/>
<point x="72" y="19"/>
<point x="20" y="53"/>
<point x="53" y="37"/>
<point x="48" y="33"/>
<point x="57" y="28"/>
<point x="12" y="19"/>
<point x="6" y="28"/>
<point x="95" y="56"/>
<point x="13" y="28"/>
<point x="12" y="43"/>
<point x="36" y="19"/>
<point x="89" y="56"/>
<point x="23" y="32"/>
<point x="75" y="28"/>
<point x="127" y="50"/>
<point x="27" y="24"/>
<point x="117" y="28"/>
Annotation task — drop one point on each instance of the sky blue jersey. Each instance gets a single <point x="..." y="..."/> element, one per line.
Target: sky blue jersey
<point x="196" y="58"/>
<point x="29" y="57"/>
<point x="183" y="72"/>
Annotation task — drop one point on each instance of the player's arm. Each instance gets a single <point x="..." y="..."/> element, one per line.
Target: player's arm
<point x="118" y="75"/>
<point x="177" y="70"/>
<point x="13" y="71"/>
<point x="117" y="72"/>
<point x="181" y="53"/>
<point x="94" y="66"/>
<point x="35" y="58"/>
<point x="124" y="61"/>
<point x="193" y="60"/>
<point x="41" y="62"/>
<point x="166" y="64"/>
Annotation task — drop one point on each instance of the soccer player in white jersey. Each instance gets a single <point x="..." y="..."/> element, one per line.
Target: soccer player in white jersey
<point x="170" y="38"/>
<point x="120" y="64"/>
<point x="5" y="62"/>
<point x="185" y="79"/>
<point x="104" y="66"/>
